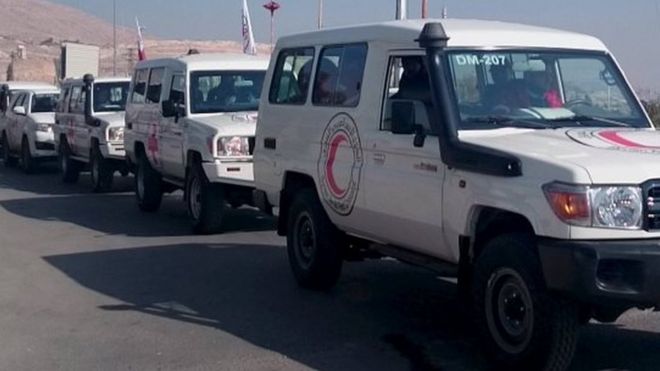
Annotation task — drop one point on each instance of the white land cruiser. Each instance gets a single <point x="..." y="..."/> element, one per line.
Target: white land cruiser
<point x="27" y="127"/>
<point x="516" y="158"/>
<point x="190" y="125"/>
<point x="89" y="129"/>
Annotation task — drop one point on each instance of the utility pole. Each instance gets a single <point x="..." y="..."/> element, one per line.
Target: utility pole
<point x="401" y="9"/>
<point x="272" y="6"/>
<point x="320" y="14"/>
<point x="425" y="9"/>
<point x="114" y="37"/>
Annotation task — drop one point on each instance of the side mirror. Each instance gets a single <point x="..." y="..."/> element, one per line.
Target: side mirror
<point x="403" y="117"/>
<point x="174" y="109"/>
<point x="88" y="80"/>
<point x="20" y="110"/>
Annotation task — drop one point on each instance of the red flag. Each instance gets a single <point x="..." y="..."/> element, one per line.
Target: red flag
<point x="141" y="53"/>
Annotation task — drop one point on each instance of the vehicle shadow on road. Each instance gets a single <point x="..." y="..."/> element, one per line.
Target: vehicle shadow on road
<point x="46" y="181"/>
<point x="382" y="315"/>
<point x="117" y="214"/>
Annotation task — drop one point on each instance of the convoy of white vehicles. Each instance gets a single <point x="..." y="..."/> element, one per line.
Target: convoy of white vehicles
<point x="516" y="159"/>
<point x="190" y="124"/>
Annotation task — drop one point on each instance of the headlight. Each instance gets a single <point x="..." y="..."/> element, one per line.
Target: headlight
<point x="44" y="127"/>
<point x="233" y="147"/>
<point x="116" y="134"/>
<point x="618" y="207"/>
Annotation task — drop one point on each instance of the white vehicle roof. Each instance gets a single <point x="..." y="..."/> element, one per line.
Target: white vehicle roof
<point x="97" y="80"/>
<point x="461" y="33"/>
<point x="29" y="85"/>
<point x="210" y="62"/>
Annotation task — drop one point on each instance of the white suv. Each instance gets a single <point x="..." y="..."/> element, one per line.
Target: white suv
<point x="27" y="128"/>
<point x="190" y="125"/>
<point x="89" y="129"/>
<point x="515" y="158"/>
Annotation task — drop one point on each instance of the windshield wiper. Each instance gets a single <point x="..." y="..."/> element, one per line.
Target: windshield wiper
<point x="507" y="122"/>
<point x="580" y="118"/>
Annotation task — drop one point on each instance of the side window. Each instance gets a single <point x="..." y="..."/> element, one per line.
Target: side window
<point x="62" y="103"/>
<point x="74" y="100"/>
<point x="18" y="102"/>
<point x="155" y="85"/>
<point x="339" y="75"/>
<point x="139" y="86"/>
<point x="177" y="91"/>
<point x="407" y="95"/>
<point x="292" y="75"/>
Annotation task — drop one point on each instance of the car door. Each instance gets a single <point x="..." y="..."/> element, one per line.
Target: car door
<point x="14" y="121"/>
<point x="75" y="119"/>
<point x="403" y="182"/>
<point x="151" y="119"/>
<point x="171" y="134"/>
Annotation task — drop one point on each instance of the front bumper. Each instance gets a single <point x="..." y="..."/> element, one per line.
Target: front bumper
<point x="113" y="150"/>
<point x="240" y="173"/>
<point x="623" y="273"/>
<point x="44" y="144"/>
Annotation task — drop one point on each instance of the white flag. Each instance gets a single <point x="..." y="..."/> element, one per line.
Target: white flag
<point x="249" y="47"/>
<point x="141" y="53"/>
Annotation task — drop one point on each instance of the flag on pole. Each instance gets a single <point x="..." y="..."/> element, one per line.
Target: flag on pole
<point x="249" y="47"/>
<point x="141" y="54"/>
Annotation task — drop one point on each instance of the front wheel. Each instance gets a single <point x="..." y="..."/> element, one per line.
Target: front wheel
<point x="314" y="244"/>
<point x="101" y="171"/>
<point x="148" y="186"/>
<point x="7" y="158"/>
<point x="523" y="325"/>
<point x="205" y="201"/>
<point x="69" y="167"/>
<point x="28" y="163"/>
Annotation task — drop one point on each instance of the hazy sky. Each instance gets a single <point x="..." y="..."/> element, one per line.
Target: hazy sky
<point x="631" y="28"/>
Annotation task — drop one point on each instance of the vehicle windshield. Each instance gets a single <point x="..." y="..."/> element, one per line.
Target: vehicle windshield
<point x="110" y="96"/>
<point x="225" y="91"/>
<point x="43" y="103"/>
<point x="554" y="89"/>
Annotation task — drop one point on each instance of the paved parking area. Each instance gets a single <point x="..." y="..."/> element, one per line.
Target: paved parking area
<point x="87" y="282"/>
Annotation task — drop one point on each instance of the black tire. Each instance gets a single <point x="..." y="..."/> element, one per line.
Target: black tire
<point x="205" y="201"/>
<point x="7" y="158"/>
<point x="148" y="186"/>
<point x="28" y="163"/>
<point x="522" y="324"/>
<point x="102" y="173"/>
<point x="314" y="245"/>
<point x="69" y="167"/>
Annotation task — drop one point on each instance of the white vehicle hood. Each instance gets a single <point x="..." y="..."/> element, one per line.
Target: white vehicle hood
<point x="230" y="123"/>
<point x="43" y="117"/>
<point x="112" y="119"/>
<point x="608" y="155"/>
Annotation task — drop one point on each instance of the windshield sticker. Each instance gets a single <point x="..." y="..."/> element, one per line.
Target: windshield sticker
<point x="478" y="60"/>
<point x="617" y="139"/>
<point x="340" y="164"/>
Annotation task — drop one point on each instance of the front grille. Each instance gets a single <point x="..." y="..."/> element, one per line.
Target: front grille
<point x="43" y="146"/>
<point x="251" y="143"/>
<point x="652" y="206"/>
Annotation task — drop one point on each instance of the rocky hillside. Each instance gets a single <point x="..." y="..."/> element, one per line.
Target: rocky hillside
<point x="41" y="26"/>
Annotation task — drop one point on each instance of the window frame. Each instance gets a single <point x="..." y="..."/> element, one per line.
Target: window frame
<point x="317" y="65"/>
<point x="279" y="69"/>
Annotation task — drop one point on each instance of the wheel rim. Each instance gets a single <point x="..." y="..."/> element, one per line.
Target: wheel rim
<point x="509" y="310"/>
<point x="140" y="182"/>
<point x="304" y="240"/>
<point x="195" y="198"/>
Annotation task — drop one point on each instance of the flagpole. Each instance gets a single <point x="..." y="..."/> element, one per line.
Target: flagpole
<point x="114" y="37"/>
<point x="320" y="14"/>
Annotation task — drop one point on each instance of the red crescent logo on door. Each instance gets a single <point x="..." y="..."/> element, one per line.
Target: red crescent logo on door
<point x="340" y="164"/>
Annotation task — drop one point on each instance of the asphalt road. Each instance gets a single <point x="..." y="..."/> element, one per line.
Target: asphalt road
<point x="87" y="282"/>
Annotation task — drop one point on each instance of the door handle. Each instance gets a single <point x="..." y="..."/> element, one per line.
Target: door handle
<point x="379" y="158"/>
<point x="129" y="125"/>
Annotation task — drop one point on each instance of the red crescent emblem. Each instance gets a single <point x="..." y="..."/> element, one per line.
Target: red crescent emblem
<point x="615" y="137"/>
<point x="332" y="183"/>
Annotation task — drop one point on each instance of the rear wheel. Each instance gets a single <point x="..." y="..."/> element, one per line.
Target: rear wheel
<point x="28" y="163"/>
<point x="7" y="158"/>
<point x="101" y="172"/>
<point x="314" y="244"/>
<point x="148" y="186"/>
<point x="205" y="201"/>
<point x="69" y="167"/>
<point x="523" y="325"/>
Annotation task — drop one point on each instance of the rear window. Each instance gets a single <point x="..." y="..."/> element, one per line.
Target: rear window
<point x="338" y="80"/>
<point x="292" y="76"/>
